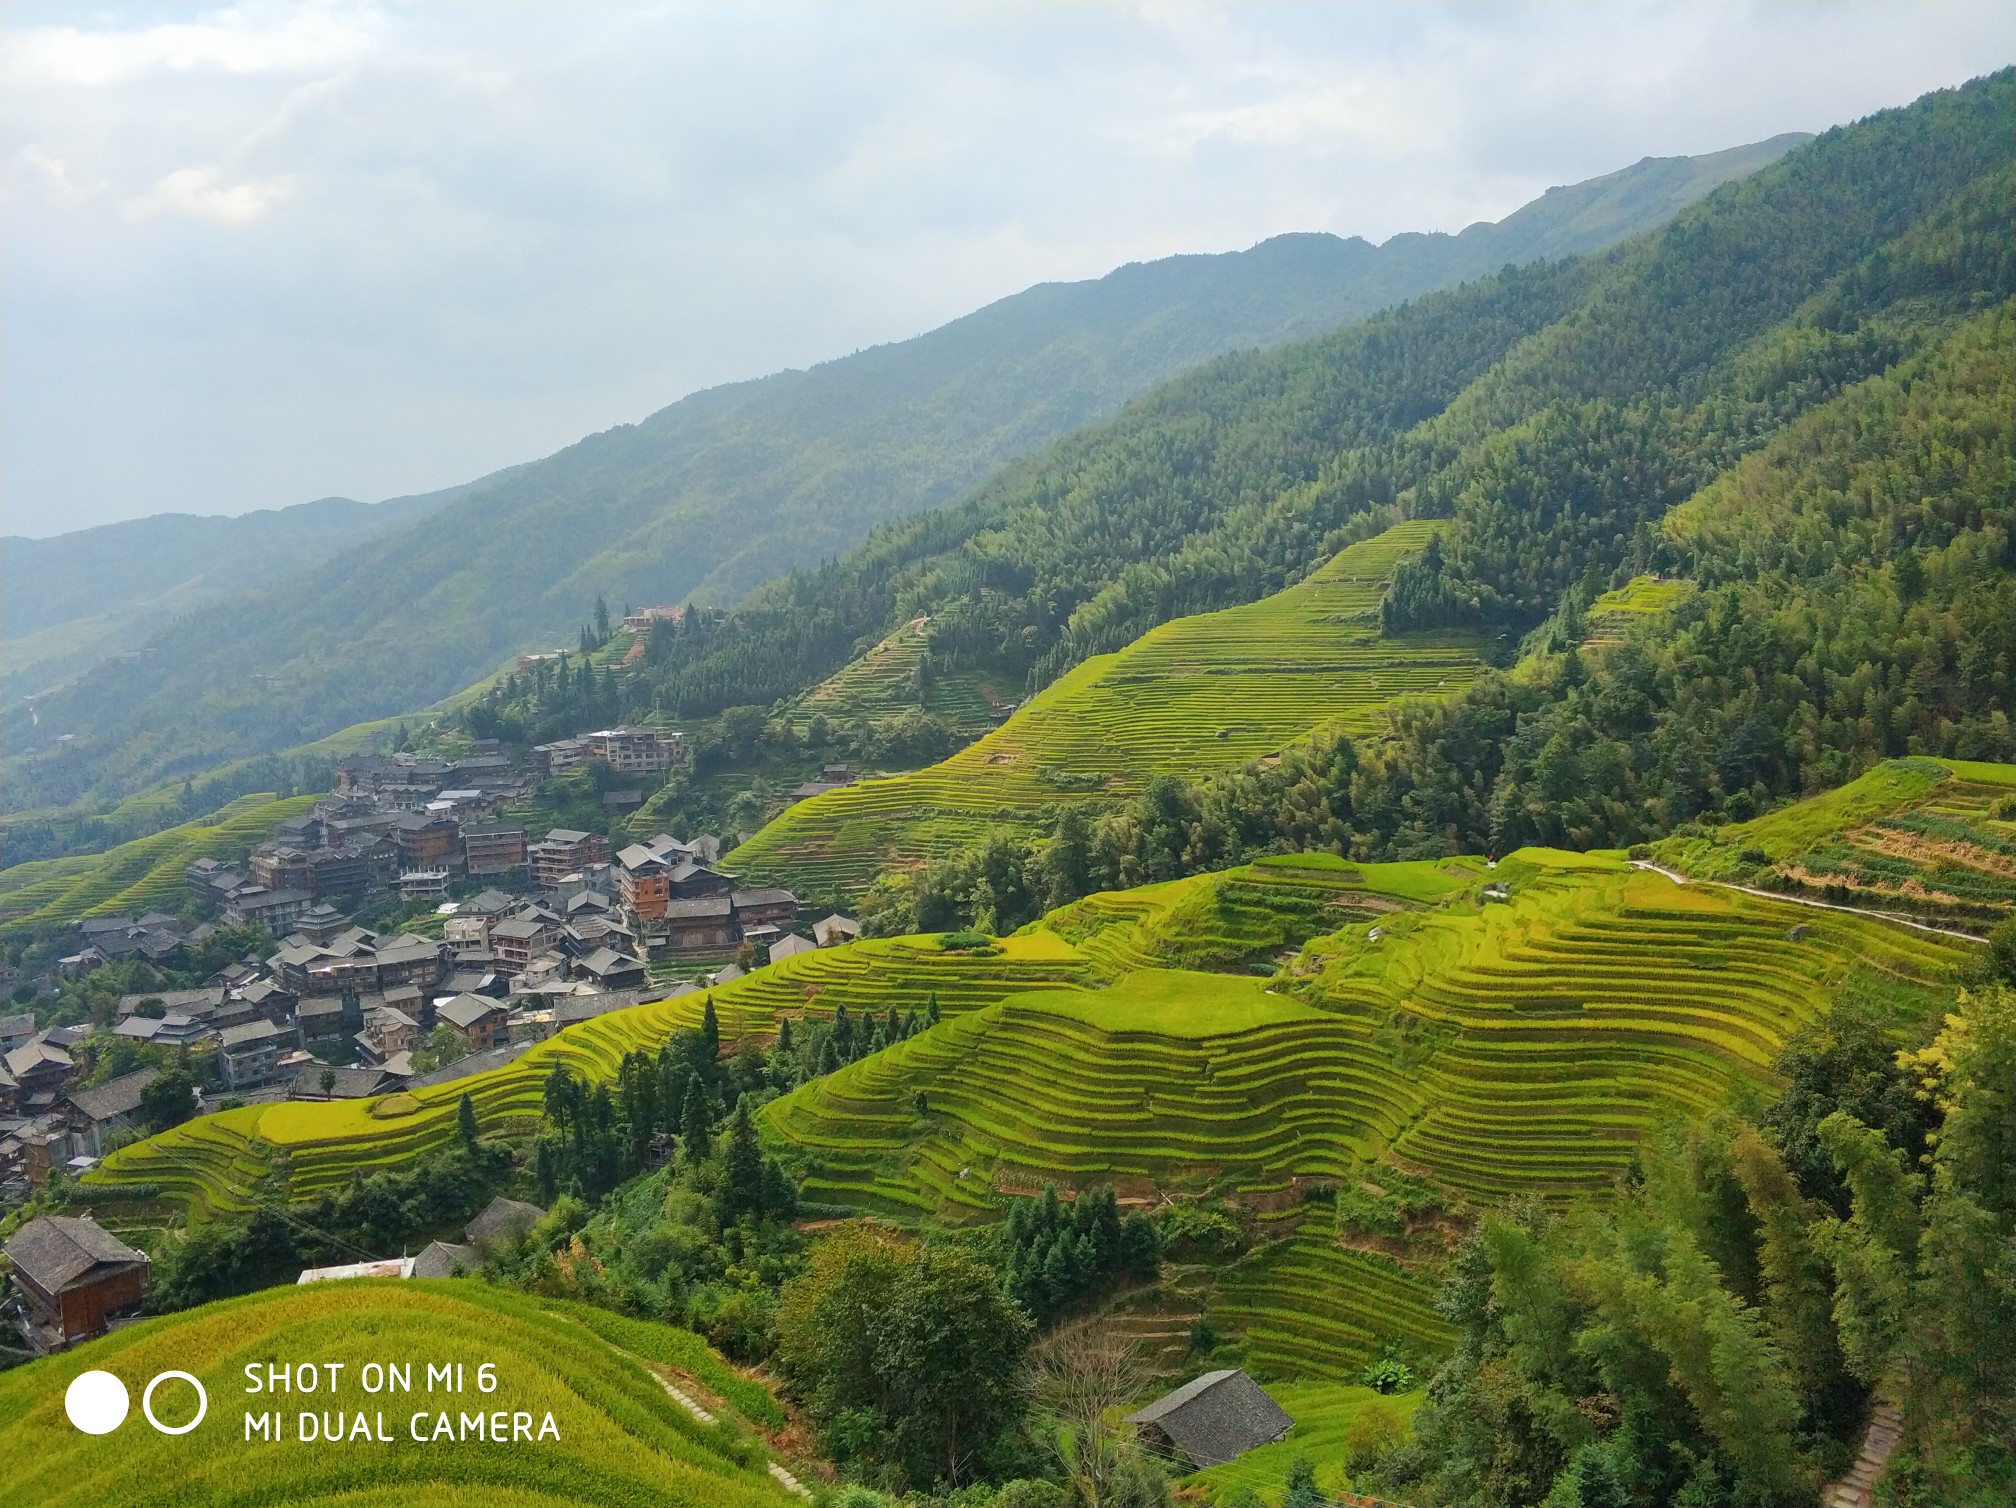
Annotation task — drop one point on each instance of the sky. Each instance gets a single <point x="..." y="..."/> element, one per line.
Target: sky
<point x="261" y="253"/>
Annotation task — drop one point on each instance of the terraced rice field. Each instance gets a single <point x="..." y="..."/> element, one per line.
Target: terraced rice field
<point x="622" y="1441"/>
<point x="228" y="1161"/>
<point x="1307" y="1307"/>
<point x="1931" y="837"/>
<point x="1206" y="692"/>
<point x="1639" y="598"/>
<point x="142" y="875"/>
<point x="1502" y="1048"/>
<point x="884" y="683"/>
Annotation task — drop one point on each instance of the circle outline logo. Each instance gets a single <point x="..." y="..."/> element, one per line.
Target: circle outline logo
<point x="147" y="1403"/>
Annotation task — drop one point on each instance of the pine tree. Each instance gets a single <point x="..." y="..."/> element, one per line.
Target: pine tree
<point x="710" y="1037"/>
<point x="843" y="1033"/>
<point x="696" y="1122"/>
<point x="465" y="1122"/>
<point x="741" y="1190"/>
<point x="931" y="1009"/>
<point x="783" y="1047"/>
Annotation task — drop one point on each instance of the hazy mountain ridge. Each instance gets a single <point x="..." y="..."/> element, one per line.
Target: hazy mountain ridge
<point x="736" y="485"/>
<point x="71" y="599"/>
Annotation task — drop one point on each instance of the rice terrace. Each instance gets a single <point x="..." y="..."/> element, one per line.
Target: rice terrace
<point x="1354" y="873"/>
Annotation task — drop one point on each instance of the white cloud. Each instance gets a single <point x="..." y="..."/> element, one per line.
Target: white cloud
<point x="34" y="171"/>
<point x="505" y="225"/>
<point x="202" y="194"/>
<point x="242" y="39"/>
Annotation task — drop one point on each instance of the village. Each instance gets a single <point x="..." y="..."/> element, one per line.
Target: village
<point x="509" y="936"/>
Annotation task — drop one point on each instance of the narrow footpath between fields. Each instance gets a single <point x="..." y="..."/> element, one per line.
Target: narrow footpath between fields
<point x="1801" y="900"/>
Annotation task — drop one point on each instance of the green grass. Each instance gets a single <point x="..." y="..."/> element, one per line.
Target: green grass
<point x="1206" y="692"/>
<point x="1514" y="1048"/>
<point x="1935" y="837"/>
<point x="622" y="1440"/>
<point x="1307" y="1307"/>
<point x="214" y="1164"/>
<point x="1324" y="1413"/>
<point x="1640" y="597"/>
<point x="884" y="683"/>
<point x="142" y="875"/>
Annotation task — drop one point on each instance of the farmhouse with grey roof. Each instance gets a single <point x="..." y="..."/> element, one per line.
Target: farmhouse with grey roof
<point x="1212" y="1419"/>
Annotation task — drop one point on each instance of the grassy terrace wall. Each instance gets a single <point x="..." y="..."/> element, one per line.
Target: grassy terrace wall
<point x="1927" y="837"/>
<point x="1198" y="693"/>
<point x="622" y="1441"/>
<point x="227" y="1161"/>
<point x="142" y="875"/>
<point x="1496" y="1047"/>
<point x="1307" y="1307"/>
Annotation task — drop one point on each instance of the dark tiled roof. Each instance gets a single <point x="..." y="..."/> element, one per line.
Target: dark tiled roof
<point x="56" y="1250"/>
<point x="120" y="1096"/>
<point x="1216" y="1417"/>
<point x="466" y="1010"/>
<point x="503" y="1218"/>
<point x="699" y="909"/>
<point x="441" y="1259"/>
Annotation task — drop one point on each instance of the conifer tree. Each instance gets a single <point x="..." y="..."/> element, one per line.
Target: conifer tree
<point x="696" y="1123"/>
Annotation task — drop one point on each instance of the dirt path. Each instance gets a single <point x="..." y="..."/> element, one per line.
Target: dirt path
<point x="692" y="1406"/>
<point x="1856" y="1490"/>
<point x="1800" y="900"/>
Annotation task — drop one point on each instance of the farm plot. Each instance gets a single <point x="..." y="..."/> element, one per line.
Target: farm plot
<point x="891" y="678"/>
<point x="1307" y="1307"/>
<point x="617" y="1438"/>
<point x="1198" y="693"/>
<point x="226" y="1162"/>
<point x="142" y="875"/>
<point x="1928" y="837"/>
<point x="1514" y="1047"/>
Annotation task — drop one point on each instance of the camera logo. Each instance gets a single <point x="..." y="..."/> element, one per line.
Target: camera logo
<point x="97" y="1402"/>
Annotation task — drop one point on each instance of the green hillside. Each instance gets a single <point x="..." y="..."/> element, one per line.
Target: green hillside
<point x="70" y="601"/>
<point x="142" y="875"/>
<point x="733" y="486"/>
<point x="1499" y="1048"/>
<point x="1924" y="837"/>
<point x="621" y="1439"/>
<point x="1198" y="693"/>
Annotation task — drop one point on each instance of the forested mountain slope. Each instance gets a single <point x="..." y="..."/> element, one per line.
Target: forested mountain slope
<point x="1655" y="371"/>
<point x="1621" y="382"/>
<point x="733" y="486"/>
<point x="68" y="601"/>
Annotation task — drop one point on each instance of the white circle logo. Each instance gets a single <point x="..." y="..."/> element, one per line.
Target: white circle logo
<point x="147" y="1403"/>
<point x="96" y="1402"/>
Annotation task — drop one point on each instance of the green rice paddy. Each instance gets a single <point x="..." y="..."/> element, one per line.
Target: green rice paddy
<point x="617" y="1438"/>
<point x="1932" y="837"/>
<point x="1495" y="1047"/>
<point x="1206" y="692"/>
<point x="142" y="875"/>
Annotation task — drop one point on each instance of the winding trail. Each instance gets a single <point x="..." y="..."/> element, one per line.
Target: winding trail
<point x="693" y="1406"/>
<point x="1801" y="900"/>
<point x="1857" y="1489"/>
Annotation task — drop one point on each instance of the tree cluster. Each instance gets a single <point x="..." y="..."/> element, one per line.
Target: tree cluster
<point x="1055" y="1258"/>
<point x="1716" y="1334"/>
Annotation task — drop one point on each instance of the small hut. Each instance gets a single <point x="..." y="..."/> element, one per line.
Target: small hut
<point x="1212" y="1419"/>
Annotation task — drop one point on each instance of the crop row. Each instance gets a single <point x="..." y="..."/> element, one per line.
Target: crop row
<point x="1203" y="692"/>
<point x="143" y="874"/>
<point x="620" y="1439"/>
<point x="1306" y="1307"/>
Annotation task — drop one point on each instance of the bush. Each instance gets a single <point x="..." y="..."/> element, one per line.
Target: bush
<point x="1388" y="1376"/>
